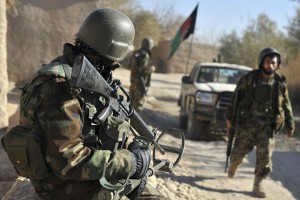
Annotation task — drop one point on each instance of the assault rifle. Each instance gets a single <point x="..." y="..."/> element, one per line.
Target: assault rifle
<point x="229" y="145"/>
<point x="85" y="77"/>
<point x="231" y="130"/>
<point x="144" y="86"/>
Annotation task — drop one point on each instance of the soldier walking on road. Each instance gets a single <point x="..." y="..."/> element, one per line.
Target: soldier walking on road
<point x="141" y="69"/>
<point x="260" y="106"/>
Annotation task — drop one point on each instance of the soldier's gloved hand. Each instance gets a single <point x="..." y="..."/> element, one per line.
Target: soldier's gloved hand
<point x="152" y="69"/>
<point x="141" y="157"/>
<point x="290" y="132"/>
<point x="141" y="161"/>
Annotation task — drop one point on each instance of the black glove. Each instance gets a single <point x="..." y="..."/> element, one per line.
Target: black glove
<point x="141" y="157"/>
<point x="141" y="161"/>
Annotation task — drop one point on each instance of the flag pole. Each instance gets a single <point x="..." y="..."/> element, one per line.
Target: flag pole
<point x="189" y="56"/>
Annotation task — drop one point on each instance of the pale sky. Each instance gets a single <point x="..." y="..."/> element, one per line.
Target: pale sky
<point x="216" y="17"/>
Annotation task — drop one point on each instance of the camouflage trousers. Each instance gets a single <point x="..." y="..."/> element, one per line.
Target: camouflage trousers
<point x="148" y="79"/>
<point x="248" y="136"/>
<point x="137" y="96"/>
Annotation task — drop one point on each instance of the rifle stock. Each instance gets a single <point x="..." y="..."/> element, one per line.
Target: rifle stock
<point x="85" y="76"/>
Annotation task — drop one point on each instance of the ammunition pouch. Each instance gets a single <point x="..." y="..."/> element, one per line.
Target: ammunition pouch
<point x="117" y="133"/>
<point x="263" y="93"/>
<point x="117" y="127"/>
<point x="23" y="147"/>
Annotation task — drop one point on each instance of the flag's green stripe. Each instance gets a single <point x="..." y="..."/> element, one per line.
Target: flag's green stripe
<point x="175" y="43"/>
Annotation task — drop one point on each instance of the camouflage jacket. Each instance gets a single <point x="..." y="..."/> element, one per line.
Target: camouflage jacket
<point x="62" y="117"/>
<point x="139" y="64"/>
<point x="243" y="99"/>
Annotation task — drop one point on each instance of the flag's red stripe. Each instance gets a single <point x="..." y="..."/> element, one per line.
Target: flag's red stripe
<point x="185" y="27"/>
<point x="185" y="30"/>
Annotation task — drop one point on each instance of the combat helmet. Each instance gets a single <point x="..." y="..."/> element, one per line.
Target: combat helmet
<point x="147" y="44"/>
<point x="109" y="32"/>
<point x="266" y="52"/>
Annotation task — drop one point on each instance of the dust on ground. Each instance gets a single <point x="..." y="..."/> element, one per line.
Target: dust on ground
<point x="200" y="173"/>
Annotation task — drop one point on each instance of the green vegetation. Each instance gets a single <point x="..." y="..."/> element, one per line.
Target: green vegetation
<point x="146" y="25"/>
<point x="240" y="49"/>
<point x="150" y="23"/>
<point x="261" y="33"/>
<point x="162" y="23"/>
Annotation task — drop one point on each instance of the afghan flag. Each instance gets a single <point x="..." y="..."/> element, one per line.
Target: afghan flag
<point x="185" y="30"/>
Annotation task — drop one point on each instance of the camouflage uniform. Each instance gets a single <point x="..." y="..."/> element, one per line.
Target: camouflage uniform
<point x="262" y="108"/>
<point x="139" y="78"/>
<point x="70" y="140"/>
<point x="73" y="152"/>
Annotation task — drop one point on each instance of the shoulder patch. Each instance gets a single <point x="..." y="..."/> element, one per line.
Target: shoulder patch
<point x="53" y="69"/>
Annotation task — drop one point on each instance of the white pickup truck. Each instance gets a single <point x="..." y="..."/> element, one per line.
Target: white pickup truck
<point x="204" y="96"/>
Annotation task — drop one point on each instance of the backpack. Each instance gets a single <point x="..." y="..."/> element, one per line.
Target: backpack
<point x="23" y="142"/>
<point x="22" y="146"/>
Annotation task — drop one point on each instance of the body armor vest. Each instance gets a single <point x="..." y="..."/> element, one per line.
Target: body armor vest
<point x="263" y="100"/>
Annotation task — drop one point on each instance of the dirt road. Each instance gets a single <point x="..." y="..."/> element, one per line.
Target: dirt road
<point x="200" y="174"/>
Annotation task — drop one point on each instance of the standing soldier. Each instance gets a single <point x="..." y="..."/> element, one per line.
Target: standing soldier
<point x="261" y="106"/>
<point x="140" y="74"/>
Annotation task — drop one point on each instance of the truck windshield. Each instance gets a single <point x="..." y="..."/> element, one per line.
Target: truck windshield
<point x="220" y="75"/>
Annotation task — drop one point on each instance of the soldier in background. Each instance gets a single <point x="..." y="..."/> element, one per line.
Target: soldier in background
<point x="140" y="78"/>
<point x="260" y="106"/>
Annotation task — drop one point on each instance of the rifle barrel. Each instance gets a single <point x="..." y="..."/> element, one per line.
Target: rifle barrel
<point x="229" y="146"/>
<point x="226" y="164"/>
<point x="141" y="127"/>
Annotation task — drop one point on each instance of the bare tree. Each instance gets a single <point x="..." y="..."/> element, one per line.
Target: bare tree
<point x="146" y="25"/>
<point x="169" y="21"/>
<point x="294" y="26"/>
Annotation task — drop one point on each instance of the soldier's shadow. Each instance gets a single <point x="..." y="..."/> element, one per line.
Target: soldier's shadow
<point x="192" y="181"/>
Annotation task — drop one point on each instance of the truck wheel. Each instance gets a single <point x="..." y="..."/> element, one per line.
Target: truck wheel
<point x="193" y="127"/>
<point x="198" y="130"/>
<point x="182" y="122"/>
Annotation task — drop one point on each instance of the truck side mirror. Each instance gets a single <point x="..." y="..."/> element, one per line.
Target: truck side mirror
<point x="186" y="79"/>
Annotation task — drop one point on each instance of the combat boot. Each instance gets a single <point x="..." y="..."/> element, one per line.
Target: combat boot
<point x="231" y="171"/>
<point x="258" y="190"/>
